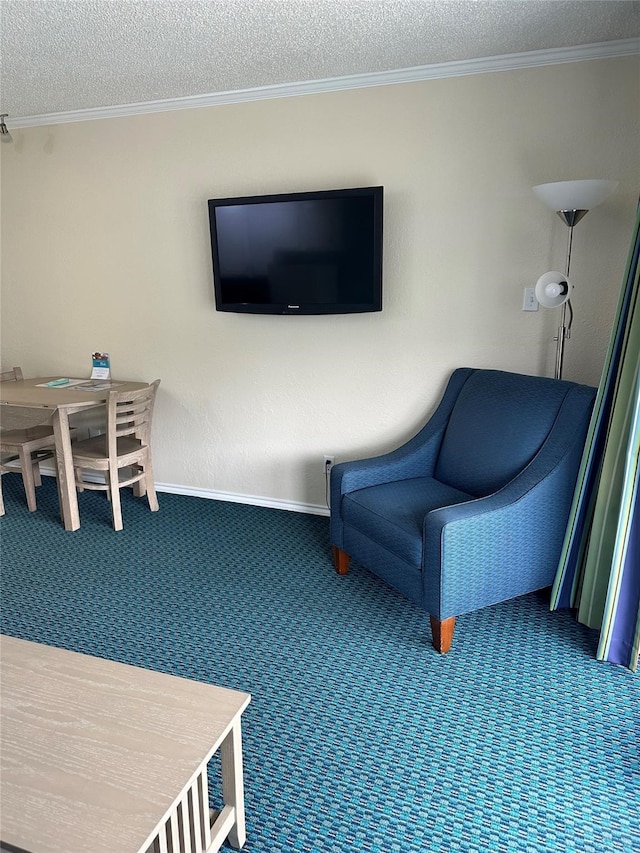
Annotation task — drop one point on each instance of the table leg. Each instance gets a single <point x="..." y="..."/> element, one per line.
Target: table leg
<point x="232" y="782"/>
<point x="64" y="467"/>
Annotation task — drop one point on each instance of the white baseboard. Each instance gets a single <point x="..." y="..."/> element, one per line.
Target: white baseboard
<point x="232" y="497"/>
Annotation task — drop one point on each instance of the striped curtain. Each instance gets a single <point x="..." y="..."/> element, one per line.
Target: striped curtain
<point x="599" y="570"/>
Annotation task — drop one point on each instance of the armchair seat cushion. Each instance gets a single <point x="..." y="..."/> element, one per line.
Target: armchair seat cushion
<point x="392" y="514"/>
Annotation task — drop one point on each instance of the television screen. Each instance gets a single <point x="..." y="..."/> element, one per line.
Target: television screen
<point x="298" y="253"/>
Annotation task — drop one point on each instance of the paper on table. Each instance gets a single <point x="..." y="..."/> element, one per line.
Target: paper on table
<point x="68" y="384"/>
<point x="97" y="385"/>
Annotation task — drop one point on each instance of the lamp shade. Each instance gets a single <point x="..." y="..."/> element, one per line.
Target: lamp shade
<point x="553" y="289"/>
<point x="574" y="195"/>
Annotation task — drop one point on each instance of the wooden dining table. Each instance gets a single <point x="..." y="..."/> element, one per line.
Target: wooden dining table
<point x="31" y="402"/>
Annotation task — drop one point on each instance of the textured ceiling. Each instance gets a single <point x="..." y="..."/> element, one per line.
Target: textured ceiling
<point x="68" y="55"/>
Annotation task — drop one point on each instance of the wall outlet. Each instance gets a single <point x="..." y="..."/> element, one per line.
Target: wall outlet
<point x="327" y="464"/>
<point x="530" y="303"/>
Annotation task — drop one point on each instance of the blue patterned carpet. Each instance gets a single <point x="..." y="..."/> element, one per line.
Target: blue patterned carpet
<point x="359" y="736"/>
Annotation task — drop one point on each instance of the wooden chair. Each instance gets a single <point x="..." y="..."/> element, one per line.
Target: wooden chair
<point x="126" y="444"/>
<point x="24" y="449"/>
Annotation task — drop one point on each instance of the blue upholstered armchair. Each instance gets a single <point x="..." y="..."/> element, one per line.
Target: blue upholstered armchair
<point x="473" y="509"/>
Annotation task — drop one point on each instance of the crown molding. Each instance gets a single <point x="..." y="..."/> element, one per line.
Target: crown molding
<point x="486" y="65"/>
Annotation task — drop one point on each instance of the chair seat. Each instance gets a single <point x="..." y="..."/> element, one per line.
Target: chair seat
<point x="392" y="514"/>
<point x="35" y="437"/>
<point x="95" y="450"/>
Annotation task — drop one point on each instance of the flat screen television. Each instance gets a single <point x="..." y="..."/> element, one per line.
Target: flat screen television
<point x="298" y="253"/>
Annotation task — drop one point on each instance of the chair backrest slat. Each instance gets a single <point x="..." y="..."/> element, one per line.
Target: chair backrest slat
<point x="131" y="416"/>
<point x="14" y="375"/>
<point x="130" y="413"/>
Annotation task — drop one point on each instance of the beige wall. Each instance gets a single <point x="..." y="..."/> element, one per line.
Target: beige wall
<point x="106" y="246"/>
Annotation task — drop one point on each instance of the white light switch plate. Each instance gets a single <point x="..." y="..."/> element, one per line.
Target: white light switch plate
<point x="530" y="303"/>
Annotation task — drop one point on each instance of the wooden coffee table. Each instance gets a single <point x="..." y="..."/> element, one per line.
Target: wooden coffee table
<point x="98" y="756"/>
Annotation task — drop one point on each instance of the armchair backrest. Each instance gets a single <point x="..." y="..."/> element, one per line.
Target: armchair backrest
<point x="497" y="425"/>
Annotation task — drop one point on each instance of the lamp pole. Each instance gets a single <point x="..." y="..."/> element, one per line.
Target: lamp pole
<point x="570" y="218"/>
<point x="571" y="200"/>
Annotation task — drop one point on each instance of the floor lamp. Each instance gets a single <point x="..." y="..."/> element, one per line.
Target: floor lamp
<point x="571" y="200"/>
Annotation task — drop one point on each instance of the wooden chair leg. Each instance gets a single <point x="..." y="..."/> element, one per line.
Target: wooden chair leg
<point x="114" y="491"/>
<point x="37" y="479"/>
<point x="139" y="488"/>
<point x="150" y="487"/>
<point x="27" y="478"/>
<point x="340" y="560"/>
<point x="442" y="633"/>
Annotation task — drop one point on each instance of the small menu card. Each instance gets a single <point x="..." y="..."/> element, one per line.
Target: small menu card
<point x="101" y="368"/>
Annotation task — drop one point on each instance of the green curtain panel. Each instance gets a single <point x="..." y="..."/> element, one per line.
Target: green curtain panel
<point x="599" y="570"/>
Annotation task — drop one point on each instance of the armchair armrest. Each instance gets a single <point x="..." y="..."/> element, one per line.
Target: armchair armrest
<point x="508" y="543"/>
